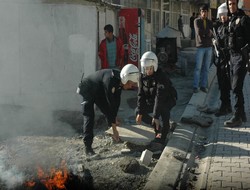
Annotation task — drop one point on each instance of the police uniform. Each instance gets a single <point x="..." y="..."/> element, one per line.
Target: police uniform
<point x="239" y="29"/>
<point x="154" y="97"/>
<point x="102" y="88"/>
<point x="223" y="70"/>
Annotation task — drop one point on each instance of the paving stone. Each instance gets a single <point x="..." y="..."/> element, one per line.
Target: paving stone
<point x="136" y="134"/>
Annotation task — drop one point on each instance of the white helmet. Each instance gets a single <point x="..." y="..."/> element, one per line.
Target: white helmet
<point x="222" y="9"/>
<point x="129" y="72"/>
<point x="149" y="59"/>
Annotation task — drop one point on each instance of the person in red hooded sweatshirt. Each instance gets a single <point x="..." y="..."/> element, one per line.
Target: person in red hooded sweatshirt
<point x="111" y="51"/>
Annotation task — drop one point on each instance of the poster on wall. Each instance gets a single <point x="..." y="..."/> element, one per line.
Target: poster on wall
<point x="129" y="32"/>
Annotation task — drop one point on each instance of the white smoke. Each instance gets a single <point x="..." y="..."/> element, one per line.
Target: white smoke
<point x="10" y="176"/>
<point x="19" y="121"/>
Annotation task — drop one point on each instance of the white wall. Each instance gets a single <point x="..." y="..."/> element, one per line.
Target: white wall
<point x="44" y="48"/>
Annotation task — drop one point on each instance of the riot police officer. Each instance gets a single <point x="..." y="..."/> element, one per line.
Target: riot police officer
<point x="222" y="62"/>
<point x="155" y="95"/>
<point x="103" y="88"/>
<point x="239" y="29"/>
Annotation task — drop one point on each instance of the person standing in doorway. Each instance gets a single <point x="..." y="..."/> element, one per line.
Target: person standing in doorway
<point x="203" y="31"/>
<point x="191" y="24"/>
<point x="111" y="51"/>
<point x="238" y="40"/>
<point x="180" y="26"/>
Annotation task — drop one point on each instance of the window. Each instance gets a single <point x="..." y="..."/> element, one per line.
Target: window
<point x="148" y="16"/>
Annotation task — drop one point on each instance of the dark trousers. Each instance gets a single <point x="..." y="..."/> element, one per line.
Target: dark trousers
<point x="238" y="71"/>
<point x="88" y="122"/>
<point x="165" y="116"/>
<point x="192" y="33"/>
<point x="223" y="76"/>
<point x="181" y="30"/>
<point x="89" y="117"/>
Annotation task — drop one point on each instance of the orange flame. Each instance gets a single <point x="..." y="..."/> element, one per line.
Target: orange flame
<point x="55" y="179"/>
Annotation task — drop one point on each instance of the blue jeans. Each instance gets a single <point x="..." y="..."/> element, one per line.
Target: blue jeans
<point x="203" y="62"/>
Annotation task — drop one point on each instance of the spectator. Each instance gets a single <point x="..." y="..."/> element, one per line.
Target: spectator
<point x="191" y="24"/>
<point x="203" y="31"/>
<point x="180" y="26"/>
<point x="111" y="51"/>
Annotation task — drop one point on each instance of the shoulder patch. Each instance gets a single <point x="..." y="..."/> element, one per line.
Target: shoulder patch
<point x="113" y="90"/>
<point x="237" y="21"/>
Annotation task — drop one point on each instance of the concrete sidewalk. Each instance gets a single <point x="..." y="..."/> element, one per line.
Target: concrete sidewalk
<point x="225" y="163"/>
<point x="229" y="165"/>
<point x="166" y="173"/>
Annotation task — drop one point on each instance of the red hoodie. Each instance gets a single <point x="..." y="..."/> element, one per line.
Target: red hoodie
<point x="119" y="53"/>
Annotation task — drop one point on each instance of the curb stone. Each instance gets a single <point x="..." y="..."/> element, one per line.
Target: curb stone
<point x="167" y="171"/>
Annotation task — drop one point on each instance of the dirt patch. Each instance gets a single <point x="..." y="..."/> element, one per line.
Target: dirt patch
<point x="21" y="157"/>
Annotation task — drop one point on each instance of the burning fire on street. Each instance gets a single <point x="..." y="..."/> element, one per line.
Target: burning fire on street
<point x="25" y="164"/>
<point x="58" y="179"/>
<point x="55" y="179"/>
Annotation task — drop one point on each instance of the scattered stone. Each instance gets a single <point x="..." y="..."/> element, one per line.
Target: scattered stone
<point x="129" y="165"/>
<point x="80" y="168"/>
<point x="146" y="157"/>
<point x="195" y="178"/>
<point x="201" y="121"/>
<point x="179" y="156"/>
<point x="126" y="151"/>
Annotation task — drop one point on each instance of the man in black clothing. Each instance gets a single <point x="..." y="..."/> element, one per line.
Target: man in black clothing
<point x="180" y="26"/>
<point x="155" y="95"/>
<point x="222" y="62"/>
<point x="191" y="24"/>
<point x="239" y="29"/>
<point x="103" y="88"/>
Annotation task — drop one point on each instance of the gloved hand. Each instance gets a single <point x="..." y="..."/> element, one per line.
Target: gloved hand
<point x="138" y="119"/>
<point x="156" y="122"/>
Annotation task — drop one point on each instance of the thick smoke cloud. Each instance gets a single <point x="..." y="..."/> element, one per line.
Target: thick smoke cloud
<point x="10" y="176"/>
<point x="18" y="121"/>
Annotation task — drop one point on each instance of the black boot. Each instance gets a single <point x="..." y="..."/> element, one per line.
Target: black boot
<point x="89" y="151"/>
<point x="224" y="110"/>
<point x="235" y="121"/>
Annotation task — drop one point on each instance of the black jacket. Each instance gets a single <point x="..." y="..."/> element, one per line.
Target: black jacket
<point x="239" y="29"/>
<point x="154" y="91"/>
<point x="222" y="34"/>
<point x="104" y="88"/>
